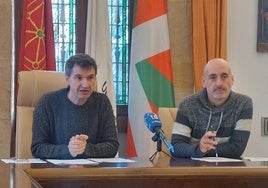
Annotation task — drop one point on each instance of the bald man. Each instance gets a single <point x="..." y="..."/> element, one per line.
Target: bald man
<point x="216" y="121"/>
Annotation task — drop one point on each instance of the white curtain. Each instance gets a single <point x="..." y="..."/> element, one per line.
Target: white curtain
<point x="98" y="46"/>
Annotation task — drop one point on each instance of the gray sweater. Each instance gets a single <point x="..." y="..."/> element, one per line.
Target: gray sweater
<point x="196" y="115"/>
<point x="57" y="119"/>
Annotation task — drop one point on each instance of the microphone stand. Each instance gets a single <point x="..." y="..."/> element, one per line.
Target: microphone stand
<point x="158" y="140"/>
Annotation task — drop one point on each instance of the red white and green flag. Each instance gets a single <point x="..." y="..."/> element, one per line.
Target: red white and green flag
<point x="151" y="78"/>
<point x="37" y="51"/>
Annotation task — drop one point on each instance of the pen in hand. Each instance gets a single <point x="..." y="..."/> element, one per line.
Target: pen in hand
<point x="208" y="142"/>
<point x="213" y="138"/>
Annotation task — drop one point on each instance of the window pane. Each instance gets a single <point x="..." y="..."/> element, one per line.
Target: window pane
<point x="118" y="18"/>
<point x="64" y="30"/>
<point x="65" y="41"/>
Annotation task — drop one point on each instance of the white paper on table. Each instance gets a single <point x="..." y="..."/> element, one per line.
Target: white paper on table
<point x="111" y="160"/>
<point x="72" y="162"/>
<point x="23" y="160"/>
<point x="216" y="159"/>
<point x="256" y="158"/>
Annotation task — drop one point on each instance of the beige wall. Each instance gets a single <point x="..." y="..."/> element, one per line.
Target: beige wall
<point x="180" y="42"/>
<point x="5" y="78"/>
<point x="249" y="67"/>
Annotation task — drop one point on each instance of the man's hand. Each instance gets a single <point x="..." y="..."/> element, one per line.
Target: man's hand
<point x="77" y="144"/>
<point x="207" y="143"/>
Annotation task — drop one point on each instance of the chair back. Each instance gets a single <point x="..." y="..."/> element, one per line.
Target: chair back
<point x="167" y="117"/>
<point x="32" y="85"/>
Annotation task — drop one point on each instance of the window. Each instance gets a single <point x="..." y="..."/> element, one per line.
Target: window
<point x="64" y="30"/>
<point x="119" y="25"/>
<point x="64" y="36"/>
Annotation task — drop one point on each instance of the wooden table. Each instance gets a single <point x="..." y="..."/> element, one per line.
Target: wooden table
<point x="163" y="172"/>
<point x="12" y="177"/>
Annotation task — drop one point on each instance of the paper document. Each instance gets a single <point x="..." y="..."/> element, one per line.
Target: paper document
<point x="256" y="158"/>
<point x="111" y="160"/>
<point x="72" y="161"/>
<point x="23" y="160"/>
<point x="216" y="159"/>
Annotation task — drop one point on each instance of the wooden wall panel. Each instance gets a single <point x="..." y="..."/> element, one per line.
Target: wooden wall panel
<point x="5" y="76"/>
<point x="179" y="20"/>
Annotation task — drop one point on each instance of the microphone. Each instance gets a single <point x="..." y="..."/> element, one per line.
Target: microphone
<point x="154" y="124"/>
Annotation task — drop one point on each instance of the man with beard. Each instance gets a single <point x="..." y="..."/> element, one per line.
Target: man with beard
<point x="216" y="121"/>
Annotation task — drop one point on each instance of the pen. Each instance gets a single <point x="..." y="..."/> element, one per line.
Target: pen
<point x="213" y="138"/>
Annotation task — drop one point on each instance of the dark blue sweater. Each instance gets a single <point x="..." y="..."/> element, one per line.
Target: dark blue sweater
<point x="57" y="119"/>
